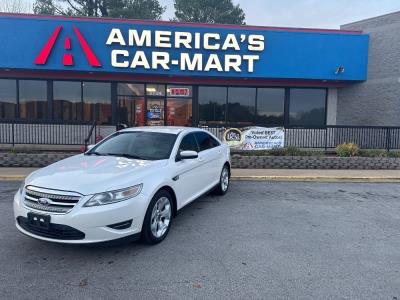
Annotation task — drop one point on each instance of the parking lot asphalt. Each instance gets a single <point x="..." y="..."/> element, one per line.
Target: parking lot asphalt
<point x="263" y="240"/>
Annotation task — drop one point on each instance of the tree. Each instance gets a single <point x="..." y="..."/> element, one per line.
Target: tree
<point x="141" y="9"/>
<point x="44" y="7"/>
<point x="209" y="11"/>
<point x="13" y="6"/>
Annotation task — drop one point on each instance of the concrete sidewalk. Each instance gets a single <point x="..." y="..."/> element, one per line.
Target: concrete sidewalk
<point x="270" y="175"/>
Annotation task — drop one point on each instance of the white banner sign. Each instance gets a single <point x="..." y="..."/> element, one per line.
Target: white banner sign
<point x="255" y="138"/>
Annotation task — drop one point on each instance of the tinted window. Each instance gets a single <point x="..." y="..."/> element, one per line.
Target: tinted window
<point x="212" y="105"/>
<point x="67" y="100"/>
<point x="241" y="105"/>
<point x="307" y="107"/>
<point x="189" y="143"/>
<point x="97" y="102"/>
<point x="138" y="144"/>
<point x="8" y="99"/>
<point x="206" y="141"/>
<point x="270" y="106"/>
<point x="33" y="99"/>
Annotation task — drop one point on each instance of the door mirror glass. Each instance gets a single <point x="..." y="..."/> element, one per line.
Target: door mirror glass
<point x="188" y="155"/>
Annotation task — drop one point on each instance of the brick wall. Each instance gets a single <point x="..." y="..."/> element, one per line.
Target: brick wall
<point x="238" y="161"/>
<point x="314" y="162"/>
<point x="376" y="101"/>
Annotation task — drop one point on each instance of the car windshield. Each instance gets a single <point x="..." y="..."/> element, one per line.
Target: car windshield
<point x="137" y="145"/>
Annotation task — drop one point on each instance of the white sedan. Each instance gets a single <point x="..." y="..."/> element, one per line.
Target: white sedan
<point x="129" y="185"/>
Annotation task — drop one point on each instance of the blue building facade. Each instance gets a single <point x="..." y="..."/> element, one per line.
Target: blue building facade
<point x="165" y="73"/>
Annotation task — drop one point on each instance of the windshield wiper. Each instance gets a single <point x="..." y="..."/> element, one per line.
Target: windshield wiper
<point x="93" y="153"/>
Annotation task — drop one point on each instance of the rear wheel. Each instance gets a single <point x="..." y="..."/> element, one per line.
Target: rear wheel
<point x="157" y="221"/>
<point x="224" y="181"/>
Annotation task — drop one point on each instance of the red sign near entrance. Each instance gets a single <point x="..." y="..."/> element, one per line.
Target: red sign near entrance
<point x="179" y="92"/>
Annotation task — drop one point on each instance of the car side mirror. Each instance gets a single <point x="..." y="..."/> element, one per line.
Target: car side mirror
<point x="89" y="147"/>
<point x="187" y="155"/>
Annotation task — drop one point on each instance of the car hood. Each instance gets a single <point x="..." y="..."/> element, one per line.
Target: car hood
<point x="93" y="174"/>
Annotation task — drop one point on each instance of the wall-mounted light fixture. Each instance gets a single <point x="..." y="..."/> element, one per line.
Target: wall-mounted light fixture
<point x="339" y="70"/>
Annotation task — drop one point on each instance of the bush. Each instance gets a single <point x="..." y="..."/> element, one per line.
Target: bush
<point x="347" y="150"/>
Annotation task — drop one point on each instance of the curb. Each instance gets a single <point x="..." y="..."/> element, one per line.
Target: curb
<point x="278" y="179"/>
<point x="317" y="179"/>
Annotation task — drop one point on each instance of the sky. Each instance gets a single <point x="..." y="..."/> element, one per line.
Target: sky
<point x="304" y="13"/>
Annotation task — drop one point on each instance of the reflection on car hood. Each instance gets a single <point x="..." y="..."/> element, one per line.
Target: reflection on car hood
<point x="93" y="174"/>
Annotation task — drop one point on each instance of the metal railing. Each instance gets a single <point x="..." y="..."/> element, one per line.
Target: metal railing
<point x="63" y="133"/>
<point x="19" y="132"/>
<point x="366" y="137"/>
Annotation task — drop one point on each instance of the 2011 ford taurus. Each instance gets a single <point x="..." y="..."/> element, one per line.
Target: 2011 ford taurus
<point x="131" y="184"/>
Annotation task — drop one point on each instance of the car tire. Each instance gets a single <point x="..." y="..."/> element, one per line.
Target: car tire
<point x="224" y="181"/>
<point x="158" y="219"/>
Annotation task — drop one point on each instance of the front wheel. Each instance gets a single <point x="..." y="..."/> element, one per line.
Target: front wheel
<point x="223" y="185"/>
<point x="157" y="221"/>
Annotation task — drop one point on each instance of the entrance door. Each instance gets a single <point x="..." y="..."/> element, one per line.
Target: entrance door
<point x="179" y="111"/>
<point x="131" y="111"/>
<point x="155" y="111"/>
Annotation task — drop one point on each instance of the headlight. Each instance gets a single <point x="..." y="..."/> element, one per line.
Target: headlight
<point x="114" y="196"/>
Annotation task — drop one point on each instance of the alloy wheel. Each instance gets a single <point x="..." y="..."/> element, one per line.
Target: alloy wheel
<point x="161" y="217"/>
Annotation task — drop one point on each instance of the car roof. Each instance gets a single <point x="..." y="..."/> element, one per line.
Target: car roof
<point x="163" y="129"/>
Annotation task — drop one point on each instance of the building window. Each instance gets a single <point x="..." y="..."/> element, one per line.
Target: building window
<point x="241" y="106"/>
<point x="212" y="105"/>
<point x="155" y="89"/>
<point x="270" y="106"/>
<point x="67" y="100"/>
<point x="33" y="99"/>
<point x="130" y="89"/>
<point x="307" y="107"/>
<point x="8" y="99"/>
<point x="97" y="102"/>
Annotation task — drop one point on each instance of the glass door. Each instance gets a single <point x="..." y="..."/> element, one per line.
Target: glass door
<point x="131" y="111"/>
<point x="155" y="111"/>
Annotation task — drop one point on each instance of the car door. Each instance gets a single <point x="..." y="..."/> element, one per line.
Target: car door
<point x="210" y="156"/>
<point x="188" y="178"/>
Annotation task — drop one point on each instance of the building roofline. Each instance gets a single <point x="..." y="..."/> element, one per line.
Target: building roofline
<point x="372" y="18"/>
<point x="181" y="24"/>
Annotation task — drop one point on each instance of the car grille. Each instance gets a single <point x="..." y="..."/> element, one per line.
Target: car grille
<point x="55" y="231"/>
<point x="50" y="200"/>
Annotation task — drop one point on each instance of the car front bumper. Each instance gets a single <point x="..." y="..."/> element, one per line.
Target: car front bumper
<point x="93" y="222"/>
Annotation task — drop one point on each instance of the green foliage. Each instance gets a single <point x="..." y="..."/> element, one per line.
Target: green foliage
<point x="289" y="151"/>
<point x="394" y="154"/>
<point x="347" y="150"/>
<point x="209" y="11"/>
<point x="138" y="9"/>
<point x="373" y="153"/>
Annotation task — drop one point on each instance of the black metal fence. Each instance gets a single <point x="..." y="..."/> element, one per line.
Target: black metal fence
<point x="42" y="133"/>
<point x="61" y="133"/>
<point x="366" y="137"/>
